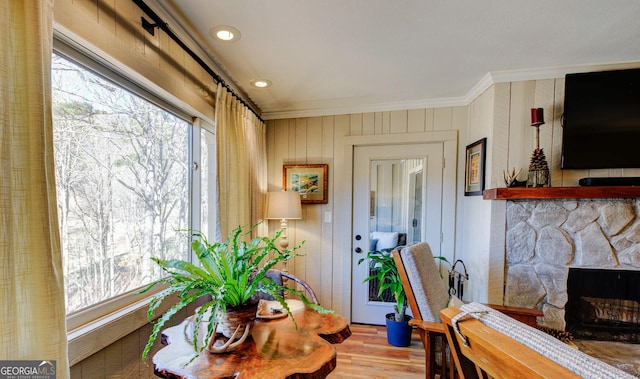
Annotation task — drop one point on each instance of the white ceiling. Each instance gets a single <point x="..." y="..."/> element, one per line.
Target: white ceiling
<point x="344" y="56"/>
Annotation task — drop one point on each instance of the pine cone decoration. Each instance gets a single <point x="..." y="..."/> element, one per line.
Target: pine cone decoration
<point x="538" y="160"/>
<point x="538" y="170"/>
<point x="562" y="335"/>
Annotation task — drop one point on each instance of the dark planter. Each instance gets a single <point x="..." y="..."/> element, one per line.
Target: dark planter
<point x="398" y="332"/>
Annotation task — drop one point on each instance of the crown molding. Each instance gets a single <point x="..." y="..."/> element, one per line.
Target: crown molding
<point x="478" y="89"/>
<point x="557" y="72"/>
<point x="368" y="108"/>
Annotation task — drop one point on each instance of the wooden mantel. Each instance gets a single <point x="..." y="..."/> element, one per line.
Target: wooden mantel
<point x="606" y="192"/>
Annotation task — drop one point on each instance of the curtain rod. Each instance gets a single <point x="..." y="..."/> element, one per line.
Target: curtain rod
<point x="159" y="23"/>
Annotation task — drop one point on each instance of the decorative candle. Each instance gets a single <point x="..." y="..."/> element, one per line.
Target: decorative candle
<point x="537" y="116"/>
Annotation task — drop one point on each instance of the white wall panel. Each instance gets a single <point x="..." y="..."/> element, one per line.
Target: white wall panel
<point x="368" y="123"/>
<point x="398" y="122"/>
<point x="416" y="120"/>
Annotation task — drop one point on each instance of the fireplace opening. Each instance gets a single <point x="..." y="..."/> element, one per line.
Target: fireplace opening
<point x="603" y="305"/>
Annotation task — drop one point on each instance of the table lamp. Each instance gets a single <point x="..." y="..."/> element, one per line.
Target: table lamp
<point x="283" y="206"/>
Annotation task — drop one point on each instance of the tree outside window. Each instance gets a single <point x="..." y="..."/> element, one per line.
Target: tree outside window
<point x="122" y="185"/>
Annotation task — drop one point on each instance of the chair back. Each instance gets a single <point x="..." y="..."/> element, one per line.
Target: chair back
<point x="281" y="277"/>
<point x="425" y="289"/>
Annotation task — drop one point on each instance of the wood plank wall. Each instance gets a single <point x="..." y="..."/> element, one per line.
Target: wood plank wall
<point x="549" y="95"/>
<point x="123" y="358"/>
<point x="511" y="140"/>
<point x="314" y="140"/>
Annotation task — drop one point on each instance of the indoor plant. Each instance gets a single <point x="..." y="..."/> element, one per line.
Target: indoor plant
<point x="232" y="272"/>
<point x="385" y="271"/>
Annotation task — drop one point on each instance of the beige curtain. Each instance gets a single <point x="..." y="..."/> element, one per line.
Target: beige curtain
<point x="242" y="163"/>
<point x="32" y="318"/>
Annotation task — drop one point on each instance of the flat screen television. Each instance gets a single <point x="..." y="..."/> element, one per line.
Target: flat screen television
<point x="601" y="121"/>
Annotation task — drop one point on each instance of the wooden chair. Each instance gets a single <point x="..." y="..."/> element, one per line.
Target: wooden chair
<point x="427" y="296"/>
<point x="310" y="294"/>
<point x="281" y="276"/>
<point x="480" y="351"/>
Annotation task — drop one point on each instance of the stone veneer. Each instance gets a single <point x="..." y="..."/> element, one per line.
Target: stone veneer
<point x="544" y="238"/>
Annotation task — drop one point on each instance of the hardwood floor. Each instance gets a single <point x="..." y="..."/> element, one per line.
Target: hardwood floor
<point x="625" y="356"/>
<point x="366" y="354"/>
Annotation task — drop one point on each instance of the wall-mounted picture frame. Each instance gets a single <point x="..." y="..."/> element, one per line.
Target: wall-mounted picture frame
<point x="474" y="168"/>
<point x="310" y="180"/>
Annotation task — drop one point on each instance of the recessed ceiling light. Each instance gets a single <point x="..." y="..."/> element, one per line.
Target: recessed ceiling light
<point x="225" y="33"/>
<point x="261" y="83"/>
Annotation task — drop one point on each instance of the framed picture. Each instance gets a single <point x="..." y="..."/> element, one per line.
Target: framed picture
<point x="474" y="168"/>
<point x="310" y="180"/>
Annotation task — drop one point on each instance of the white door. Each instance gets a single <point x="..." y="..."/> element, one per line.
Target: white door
<point x="397" y="189"/>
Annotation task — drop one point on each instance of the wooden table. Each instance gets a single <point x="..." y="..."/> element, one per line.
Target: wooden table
<point x="275" y="350"/>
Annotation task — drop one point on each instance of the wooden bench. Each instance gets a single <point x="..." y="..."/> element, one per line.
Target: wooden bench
<point x="489" y="353"/>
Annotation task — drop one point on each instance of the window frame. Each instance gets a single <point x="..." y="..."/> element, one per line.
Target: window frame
<point x="103" y="322"/>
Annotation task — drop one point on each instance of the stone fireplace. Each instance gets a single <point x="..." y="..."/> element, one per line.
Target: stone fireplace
<point x="547" y="238"/>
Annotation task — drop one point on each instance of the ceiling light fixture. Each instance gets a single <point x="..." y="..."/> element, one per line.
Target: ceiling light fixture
<point x="261" y="83"/>
<point x="225" y="33"/>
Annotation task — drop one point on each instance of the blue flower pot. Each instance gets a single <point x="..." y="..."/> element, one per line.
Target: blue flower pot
<point x="398" y="332"/>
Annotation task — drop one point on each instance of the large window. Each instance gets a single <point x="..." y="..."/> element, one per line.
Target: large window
<point x="122" y="171"/>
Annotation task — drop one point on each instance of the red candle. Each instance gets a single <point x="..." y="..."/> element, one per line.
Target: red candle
<point x="537" y="116"/>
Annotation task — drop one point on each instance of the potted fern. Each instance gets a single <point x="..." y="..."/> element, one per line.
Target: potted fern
<point x="385" y="272"/>
<point x="232" y="273"/>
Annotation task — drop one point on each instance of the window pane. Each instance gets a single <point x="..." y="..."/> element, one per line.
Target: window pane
<point x="208" y="203"/>
<point x="122" y="185"/>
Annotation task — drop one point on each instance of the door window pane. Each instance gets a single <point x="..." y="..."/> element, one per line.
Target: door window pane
<point x="395" y="215"/>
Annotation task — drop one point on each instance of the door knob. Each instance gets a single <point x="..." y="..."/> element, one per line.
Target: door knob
<point x="358" y="250"/>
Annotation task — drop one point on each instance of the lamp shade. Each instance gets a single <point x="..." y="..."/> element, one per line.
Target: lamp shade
<point x="283" y="205"/>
